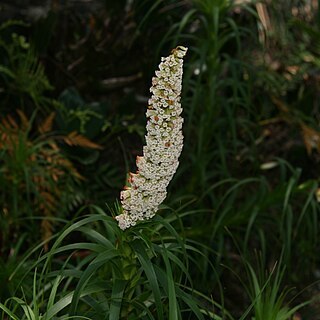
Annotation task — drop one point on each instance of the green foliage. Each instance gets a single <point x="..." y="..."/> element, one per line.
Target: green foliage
<point x="266" y="295"/>
<point x="36" y="179"/>
<point x="22" y="76"/>
<point x="138" y="274"/>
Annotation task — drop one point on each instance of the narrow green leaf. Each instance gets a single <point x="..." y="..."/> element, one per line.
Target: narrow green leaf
<point x="116" y="298"/>
<point x="148" y="268"/>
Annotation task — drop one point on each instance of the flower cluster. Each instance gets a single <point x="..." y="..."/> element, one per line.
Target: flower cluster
<point x="164" y="141"/>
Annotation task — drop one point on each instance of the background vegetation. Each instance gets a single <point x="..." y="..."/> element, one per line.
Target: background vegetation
<point x="238" y="235"/>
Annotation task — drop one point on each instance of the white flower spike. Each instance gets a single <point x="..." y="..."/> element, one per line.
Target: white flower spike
<point x="164" y="141"/>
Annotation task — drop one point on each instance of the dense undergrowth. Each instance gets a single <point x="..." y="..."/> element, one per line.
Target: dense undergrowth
<point x="237" y="236"/>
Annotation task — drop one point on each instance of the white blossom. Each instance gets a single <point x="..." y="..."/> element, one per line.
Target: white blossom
<point x="164" y="141"/>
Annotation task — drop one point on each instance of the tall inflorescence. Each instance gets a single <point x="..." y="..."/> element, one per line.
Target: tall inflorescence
<point x="164" y="141"/>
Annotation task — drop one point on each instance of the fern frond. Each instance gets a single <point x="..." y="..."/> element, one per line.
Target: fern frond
<point x="25" y="123"/>
<point x="46" y="126"/>
<point x="76" y="139"/>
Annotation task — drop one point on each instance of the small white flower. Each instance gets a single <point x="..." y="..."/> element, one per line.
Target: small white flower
<point x="164" y="141"/>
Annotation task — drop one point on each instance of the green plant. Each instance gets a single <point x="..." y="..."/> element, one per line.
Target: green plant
<point x="21" y="74"/>
<point x="267" y="296"/>
<point x="141" y="273"/>
<point x="36" y="178"/>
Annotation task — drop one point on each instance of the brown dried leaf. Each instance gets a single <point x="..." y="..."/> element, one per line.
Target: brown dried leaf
<point x="311" y="138"/>
<point x="264" y="16"/>
<point x="46" y="230"/>
<point x="23" y="119"/>
<point x="293" y="69"/>
<point x="48" y="198"/>
<point x="46" y="126"/>
<point x="280" y="105"/>
<point x="12" y="122"/>
<point x="76" y="139"/>
<point x="53" y="146"/>
<point x="6" y="124"/>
